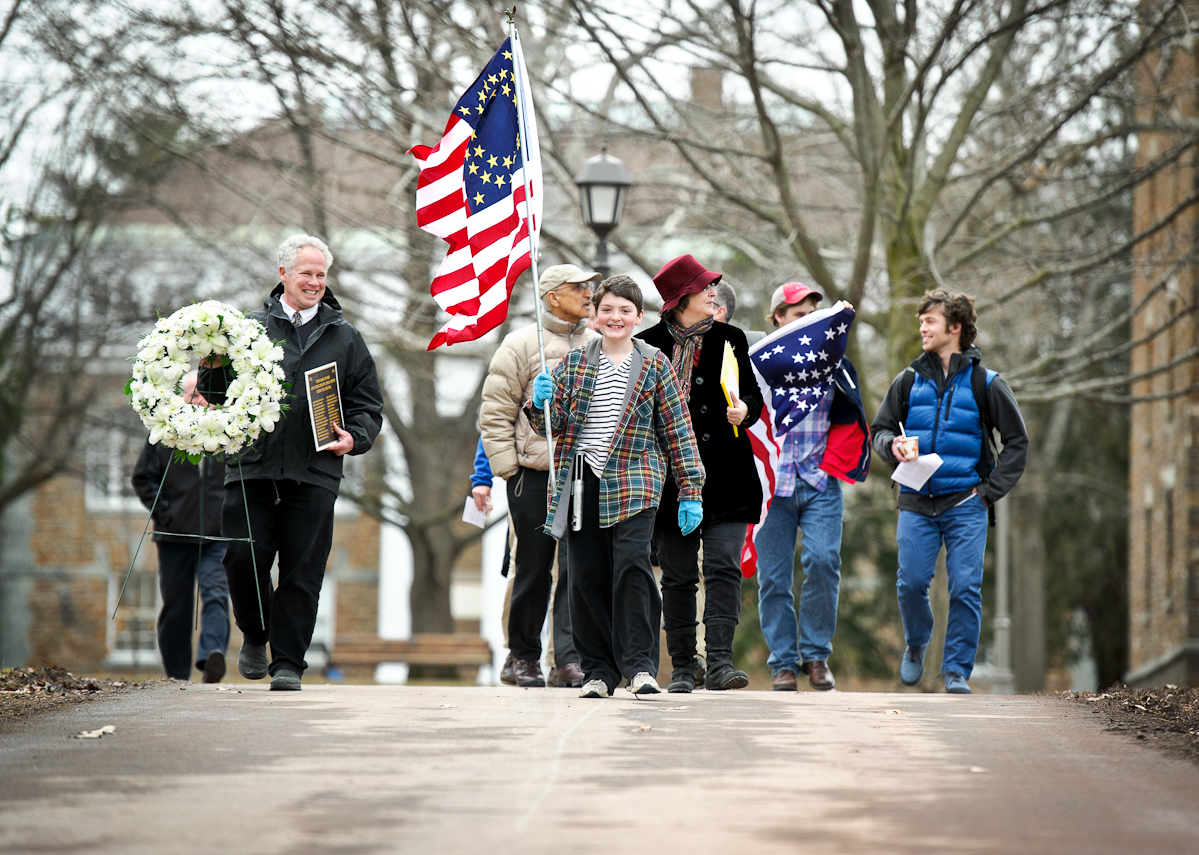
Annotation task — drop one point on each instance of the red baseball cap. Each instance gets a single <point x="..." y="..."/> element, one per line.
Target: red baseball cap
<point x="791" y="293"/>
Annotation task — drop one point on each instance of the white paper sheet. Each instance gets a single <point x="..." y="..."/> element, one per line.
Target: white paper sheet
<point x="472" y="515"/>
<point x="915" y="473"/>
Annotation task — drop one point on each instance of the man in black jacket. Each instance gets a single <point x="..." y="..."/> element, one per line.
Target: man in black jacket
<point x="732" y="495"/>
<point x="182" y="559"/>
<point x="282" y="491"/>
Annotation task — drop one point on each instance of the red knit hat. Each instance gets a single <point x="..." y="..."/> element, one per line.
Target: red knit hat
<point x="680" y="277"/>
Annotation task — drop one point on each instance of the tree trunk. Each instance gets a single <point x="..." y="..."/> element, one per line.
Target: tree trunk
<point x="1028" y="590"/>
<point x="909" y="277"/>
<point x="433" y="557"/>
<point x="438" y="450"/>
<point x="1028" y="547"/>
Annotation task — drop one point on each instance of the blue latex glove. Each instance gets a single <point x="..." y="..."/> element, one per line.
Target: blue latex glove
<point x="691" y="514"/>
<point x="543" y="389"/>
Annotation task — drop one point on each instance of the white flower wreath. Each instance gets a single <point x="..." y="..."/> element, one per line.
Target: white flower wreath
<point x="252" y="401"/>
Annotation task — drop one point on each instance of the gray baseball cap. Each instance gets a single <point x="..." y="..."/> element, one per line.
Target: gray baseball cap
<point x="561" y="274"/>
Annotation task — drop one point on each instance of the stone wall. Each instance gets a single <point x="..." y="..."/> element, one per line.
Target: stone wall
<point x="1164" y="457"/>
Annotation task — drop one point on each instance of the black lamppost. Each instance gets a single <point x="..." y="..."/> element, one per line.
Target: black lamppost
<point x="603" y="184"/>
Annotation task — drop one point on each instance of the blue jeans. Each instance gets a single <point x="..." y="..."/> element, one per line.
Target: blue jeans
<point x="819" y="515"/>
<point x="964" y="531"/>
<point x="178" y="566"/>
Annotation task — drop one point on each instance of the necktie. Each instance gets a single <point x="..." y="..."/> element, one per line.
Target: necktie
<point x="295" y="319"/>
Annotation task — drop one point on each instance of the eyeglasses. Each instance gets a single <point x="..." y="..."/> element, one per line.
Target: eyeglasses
<point x="578" y="286"/>
<point x="711" y="289"/>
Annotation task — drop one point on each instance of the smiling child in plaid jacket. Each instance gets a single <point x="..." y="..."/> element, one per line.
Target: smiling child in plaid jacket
<point x="617" y="418"/>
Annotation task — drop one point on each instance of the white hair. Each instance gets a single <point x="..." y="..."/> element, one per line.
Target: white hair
<point x="290" y="248"/>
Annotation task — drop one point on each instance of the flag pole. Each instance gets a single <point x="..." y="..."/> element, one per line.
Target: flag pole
<point x="518" y="71"/>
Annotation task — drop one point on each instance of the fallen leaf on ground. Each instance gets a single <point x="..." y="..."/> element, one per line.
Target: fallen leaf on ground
<point x="95" y="734"/>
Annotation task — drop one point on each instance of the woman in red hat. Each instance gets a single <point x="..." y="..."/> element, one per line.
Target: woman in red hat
<point x="732" y="495"/>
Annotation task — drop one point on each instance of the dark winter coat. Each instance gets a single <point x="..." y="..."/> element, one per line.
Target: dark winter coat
<point x="732" y="491"/>
<point x="289" y="452"/>
<point x="178" y="507"/>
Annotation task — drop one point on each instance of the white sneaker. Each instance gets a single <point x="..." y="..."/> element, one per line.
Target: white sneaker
<point x="644" y="684"/>
<point x="594" y="689"/>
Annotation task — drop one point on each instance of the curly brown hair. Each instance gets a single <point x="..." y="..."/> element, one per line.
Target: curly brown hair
<point x="957" y="309"/>
<point x="619" y="286"/>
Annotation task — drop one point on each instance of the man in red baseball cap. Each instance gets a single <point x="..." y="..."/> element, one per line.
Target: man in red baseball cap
<point x="787" y="300"/>
<point x="806" y="497"/>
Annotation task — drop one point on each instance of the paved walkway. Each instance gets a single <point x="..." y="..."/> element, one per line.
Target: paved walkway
<point x="366" y="769"/>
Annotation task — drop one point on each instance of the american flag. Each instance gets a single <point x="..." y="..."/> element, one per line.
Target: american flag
<point x="471" y="192"/>
<point x="794" y="367"/>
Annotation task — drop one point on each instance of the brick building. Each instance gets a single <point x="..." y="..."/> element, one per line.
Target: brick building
<point x="1164" y="455"/>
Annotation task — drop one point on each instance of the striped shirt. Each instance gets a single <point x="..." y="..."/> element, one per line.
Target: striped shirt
<point x="595" y="440"/>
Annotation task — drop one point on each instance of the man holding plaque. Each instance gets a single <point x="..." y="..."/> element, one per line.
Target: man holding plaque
<point x="732" y="496"/>
<point x="291" y="476"/>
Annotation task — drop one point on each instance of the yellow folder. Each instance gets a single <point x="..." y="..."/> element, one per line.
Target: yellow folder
<point x="730" y="378"/>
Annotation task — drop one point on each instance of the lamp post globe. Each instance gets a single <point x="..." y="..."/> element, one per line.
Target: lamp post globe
<point x="603" y="183"/>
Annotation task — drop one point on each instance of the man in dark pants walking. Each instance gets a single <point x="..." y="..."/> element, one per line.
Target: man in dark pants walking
<point x="181" y="560"/>
<point x="283" y="490"/>
<point x="521" y="457"/>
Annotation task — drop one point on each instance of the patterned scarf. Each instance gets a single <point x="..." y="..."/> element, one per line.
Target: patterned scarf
<point x="688" y="344"/>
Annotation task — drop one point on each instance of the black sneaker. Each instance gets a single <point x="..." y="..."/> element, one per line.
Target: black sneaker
<point x="252" y="661"/>
<point x="285" y="680"/>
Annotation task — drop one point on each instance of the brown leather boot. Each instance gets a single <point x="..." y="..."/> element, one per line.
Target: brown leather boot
<point x="785" y="681"/>
<point x="528" y="673"/>
<point x="819" y="676"/>
<point x="568" y="676"/>
<point x="508" y="672"/>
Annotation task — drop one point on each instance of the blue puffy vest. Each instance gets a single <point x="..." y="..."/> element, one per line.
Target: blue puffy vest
<point x="949" y="424"/>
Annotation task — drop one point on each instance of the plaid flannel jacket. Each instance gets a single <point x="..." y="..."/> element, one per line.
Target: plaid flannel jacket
<point x="654" y="426"/>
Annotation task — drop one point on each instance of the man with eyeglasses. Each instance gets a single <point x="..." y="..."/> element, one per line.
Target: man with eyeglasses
<point x="519" y="456"/>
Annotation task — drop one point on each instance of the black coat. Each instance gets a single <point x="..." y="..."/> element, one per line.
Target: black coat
<point x="178" y="508"/>
<point x="289" y="452"/>
<point x="732" y="492"/>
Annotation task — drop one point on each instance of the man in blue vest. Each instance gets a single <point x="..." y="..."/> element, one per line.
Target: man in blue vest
<point x="951" y="405"/>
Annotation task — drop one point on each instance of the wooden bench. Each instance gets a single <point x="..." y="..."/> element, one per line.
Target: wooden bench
<point x="429" y="648"/>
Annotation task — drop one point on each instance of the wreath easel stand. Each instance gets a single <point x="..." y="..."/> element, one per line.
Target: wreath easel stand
<point x="201" y="539"/>
<point x="207" y="329"/>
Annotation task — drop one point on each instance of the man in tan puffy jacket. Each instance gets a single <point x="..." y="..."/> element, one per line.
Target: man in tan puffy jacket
<point x="521" y="458"/>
